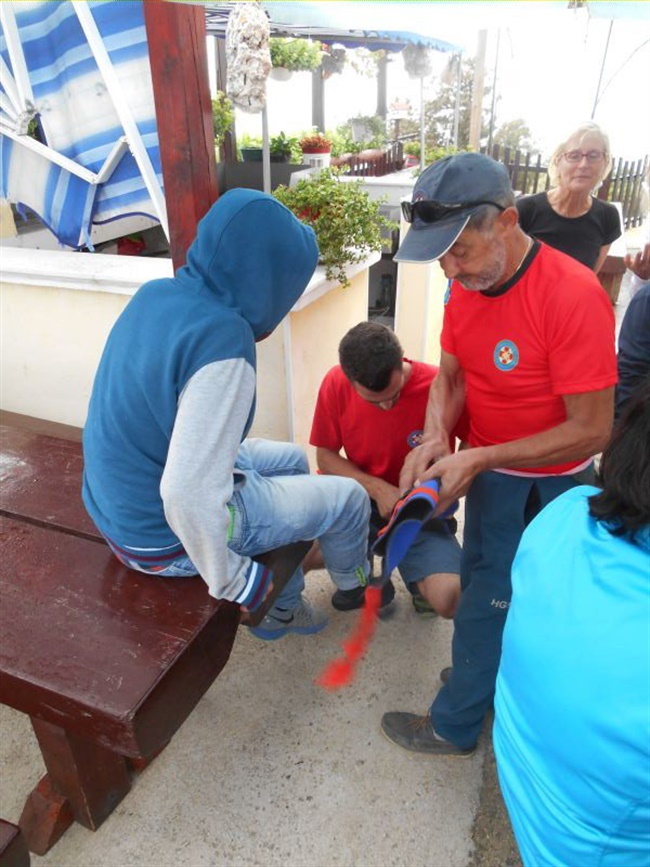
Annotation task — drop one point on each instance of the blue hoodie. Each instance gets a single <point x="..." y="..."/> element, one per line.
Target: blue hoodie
<point x="174" y="393"/>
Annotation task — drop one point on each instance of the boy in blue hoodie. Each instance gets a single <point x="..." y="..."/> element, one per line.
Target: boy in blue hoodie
<point x="170" y="479"/>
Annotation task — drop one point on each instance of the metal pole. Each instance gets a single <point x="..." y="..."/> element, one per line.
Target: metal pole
<point x="422" y="158"/>
<point x="266" y="154"/>
<point x="602" y="69"/>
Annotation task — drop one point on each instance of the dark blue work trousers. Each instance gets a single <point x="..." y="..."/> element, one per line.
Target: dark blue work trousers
<point x="498" y="508"/>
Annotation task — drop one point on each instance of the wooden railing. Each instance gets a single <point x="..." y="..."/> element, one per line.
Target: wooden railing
<point x="374" y="162"/>
<point x="624" y="183"/>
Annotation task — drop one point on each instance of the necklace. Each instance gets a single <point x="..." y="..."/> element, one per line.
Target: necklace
<point x="529" y="244"/>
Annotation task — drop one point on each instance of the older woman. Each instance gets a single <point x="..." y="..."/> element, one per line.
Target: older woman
<point x="568" y="216"/>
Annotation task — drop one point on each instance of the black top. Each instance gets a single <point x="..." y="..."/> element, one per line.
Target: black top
<point x="579" y="237"/>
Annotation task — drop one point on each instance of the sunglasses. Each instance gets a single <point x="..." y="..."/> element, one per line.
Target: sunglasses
<point x="431" y="212"/>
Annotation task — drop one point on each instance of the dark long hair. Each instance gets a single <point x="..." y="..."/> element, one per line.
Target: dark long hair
<point x="624" y="474"/>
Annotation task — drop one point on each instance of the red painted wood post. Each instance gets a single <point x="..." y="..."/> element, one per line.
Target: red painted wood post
<point x="179" y="68"/>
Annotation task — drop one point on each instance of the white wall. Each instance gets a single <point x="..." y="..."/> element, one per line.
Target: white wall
<point x="57" y="308"/>
<point x="56" y="311"/>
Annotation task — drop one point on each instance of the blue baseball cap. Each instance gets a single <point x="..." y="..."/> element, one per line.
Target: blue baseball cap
<point x="451" y="190"/>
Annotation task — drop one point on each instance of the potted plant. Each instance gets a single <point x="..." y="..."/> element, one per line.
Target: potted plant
<point x="293" y="55"/>
<point x="284" y="149"/>
<point x="333" y="60"/>
<point x="250" y="148"/>
<point x="315" y="143"/>
<point x="347" y="222"/>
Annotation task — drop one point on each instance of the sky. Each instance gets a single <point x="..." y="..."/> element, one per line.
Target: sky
<point x="549" y="62"/>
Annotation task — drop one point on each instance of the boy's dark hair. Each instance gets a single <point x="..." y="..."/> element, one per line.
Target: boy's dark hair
<point x="369" y="353"/>
<point x="624" y="474"/>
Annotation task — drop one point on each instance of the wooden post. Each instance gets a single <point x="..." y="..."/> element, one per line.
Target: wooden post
<point x="318" y="99"/>
<point x="382" y="86"/>
<point x="476" y="110"/>
<point x="179" y="68"/>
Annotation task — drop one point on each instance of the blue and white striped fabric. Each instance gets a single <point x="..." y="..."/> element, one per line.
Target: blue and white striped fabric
<point x="77" y="115"/>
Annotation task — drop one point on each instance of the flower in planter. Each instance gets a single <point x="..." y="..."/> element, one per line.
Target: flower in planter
<point x="315" y="143"/>
<point x="347" y="222"/>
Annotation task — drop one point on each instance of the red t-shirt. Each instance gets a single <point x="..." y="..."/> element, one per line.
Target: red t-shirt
<point x="551" y="333"/>
<point x="374" y="439"/>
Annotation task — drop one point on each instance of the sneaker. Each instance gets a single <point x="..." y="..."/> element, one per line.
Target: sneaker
<point x="350" y="600"/>
<point x="422" y="607"/>
<point x="303" y="620"/>
<point x="417" y="734"/>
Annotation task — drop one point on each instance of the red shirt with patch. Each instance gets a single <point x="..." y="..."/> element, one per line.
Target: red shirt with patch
<point x="374" y="439"/>
<point x="549" y="334"/>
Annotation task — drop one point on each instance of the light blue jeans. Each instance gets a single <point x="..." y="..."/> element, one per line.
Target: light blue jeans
<point x="281" y="502"/>
<point x="277" y="502"/>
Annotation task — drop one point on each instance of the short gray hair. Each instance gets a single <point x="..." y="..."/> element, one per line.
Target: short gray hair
<point x="484" y="217"/>
<point x="586" y="128"/>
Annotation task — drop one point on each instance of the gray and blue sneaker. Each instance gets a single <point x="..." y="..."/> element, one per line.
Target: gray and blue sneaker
<point x="303" y="620"/>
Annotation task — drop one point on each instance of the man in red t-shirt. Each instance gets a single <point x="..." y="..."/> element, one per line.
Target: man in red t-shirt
<point x="527" y="346"/>
<point x="372" y="407"/>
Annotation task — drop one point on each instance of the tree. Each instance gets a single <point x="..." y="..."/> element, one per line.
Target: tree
<point x="440" y="111"/>
<point x="515" y="134"/>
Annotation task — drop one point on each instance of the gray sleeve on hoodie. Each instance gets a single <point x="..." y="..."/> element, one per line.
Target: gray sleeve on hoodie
<point x="198" y="479"/>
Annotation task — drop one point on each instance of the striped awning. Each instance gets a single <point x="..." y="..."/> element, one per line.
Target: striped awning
<point x="78" y="73"/>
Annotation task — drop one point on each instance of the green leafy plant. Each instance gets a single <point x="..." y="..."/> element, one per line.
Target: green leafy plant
<point x="284" y="149"/>
<point x="347" y="222"/>
<point x="295" y="54"/>
<point x="315" y="142"/>
<point x="223" y="116"/>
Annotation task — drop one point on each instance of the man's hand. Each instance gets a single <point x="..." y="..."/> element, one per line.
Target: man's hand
<point x="245" y="615"/>
<point x="640" y="263"/>
<point x="385" y="496"/>
<point x="456" y="473"/>
<point x="419" y="461"/>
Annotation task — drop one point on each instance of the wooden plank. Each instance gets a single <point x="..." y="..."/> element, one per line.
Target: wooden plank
<point x="179" y="69"/>
<point x="13" y="851"/>
<point x="112" y="655"/>
<point x="41" y="475"/>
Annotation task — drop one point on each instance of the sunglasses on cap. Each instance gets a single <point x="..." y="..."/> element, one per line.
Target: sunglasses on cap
<point x="430" y="212"/>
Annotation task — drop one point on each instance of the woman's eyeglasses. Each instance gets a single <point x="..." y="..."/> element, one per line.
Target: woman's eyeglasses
<point x="577" y="156"/>
<point x="431" y="212"/>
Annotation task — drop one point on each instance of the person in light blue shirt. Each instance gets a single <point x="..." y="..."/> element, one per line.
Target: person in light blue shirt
<point x="572" y="724"/>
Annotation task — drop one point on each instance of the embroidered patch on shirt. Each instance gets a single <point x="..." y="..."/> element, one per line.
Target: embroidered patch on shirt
<point x="414" y="439"/>
<point x="506" y="355"/>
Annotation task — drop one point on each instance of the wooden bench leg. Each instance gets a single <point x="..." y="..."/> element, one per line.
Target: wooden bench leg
<point x="13" y="850"/>
<point x="46" y="816"/>
<point x="88" y="778"/>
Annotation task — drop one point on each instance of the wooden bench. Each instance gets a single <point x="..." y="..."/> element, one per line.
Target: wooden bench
<point x="107" y="662"/>
<point x="13" y="849"/>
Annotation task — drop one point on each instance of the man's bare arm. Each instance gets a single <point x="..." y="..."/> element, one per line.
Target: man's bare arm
<point x="445" y="404"/>
<point x="332" y="463"/>
<point x="584" y="433"/>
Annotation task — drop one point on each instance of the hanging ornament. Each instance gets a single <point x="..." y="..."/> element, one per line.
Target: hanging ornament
<point x="248" y="56"/>
<point x="417" y="61"/>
